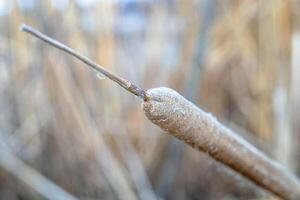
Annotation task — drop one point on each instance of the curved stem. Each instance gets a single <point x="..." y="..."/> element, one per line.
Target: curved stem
<point x="127" y="85"/>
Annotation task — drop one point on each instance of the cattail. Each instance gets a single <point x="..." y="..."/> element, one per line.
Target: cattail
<point x="188" y="123"/>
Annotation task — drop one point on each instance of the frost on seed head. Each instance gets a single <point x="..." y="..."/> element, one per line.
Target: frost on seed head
<point x="166" y="108"/>
<point x="161" y="105"/>
<point x="162" y="93"/>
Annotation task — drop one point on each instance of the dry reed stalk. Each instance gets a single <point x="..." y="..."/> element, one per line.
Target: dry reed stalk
<point x="185" y="121"/>
<point x="41" y="184"/>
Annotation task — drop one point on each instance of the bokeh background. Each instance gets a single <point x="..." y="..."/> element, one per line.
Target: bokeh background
<point x="65" y="132"/>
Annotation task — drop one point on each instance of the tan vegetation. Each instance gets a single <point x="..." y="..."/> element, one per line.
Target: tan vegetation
<point x="89" y="137"/>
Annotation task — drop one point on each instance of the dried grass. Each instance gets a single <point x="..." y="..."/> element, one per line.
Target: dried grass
<point x="70" y="126"/>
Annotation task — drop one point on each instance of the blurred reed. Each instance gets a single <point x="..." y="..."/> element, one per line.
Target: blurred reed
<point x="90" y="138"/>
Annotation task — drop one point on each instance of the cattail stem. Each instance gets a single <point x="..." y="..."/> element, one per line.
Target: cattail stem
<point x="121" y="81"/>
<point x="183" y="120"/>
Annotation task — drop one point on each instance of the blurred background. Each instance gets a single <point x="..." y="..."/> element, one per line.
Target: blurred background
<point x="66" y="133"/>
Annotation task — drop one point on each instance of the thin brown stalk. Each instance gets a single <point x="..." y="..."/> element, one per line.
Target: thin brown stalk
<point x="121" y="81"/>
<point x="185" y="121"/>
